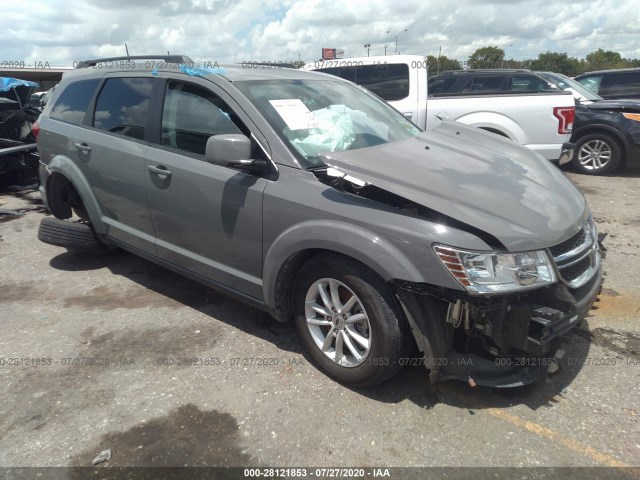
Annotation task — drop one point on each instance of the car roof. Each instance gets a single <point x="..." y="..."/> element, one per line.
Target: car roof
<point x="485" y="70"/>
<point x="231" y="72"/>
<point x="611" y="70"/>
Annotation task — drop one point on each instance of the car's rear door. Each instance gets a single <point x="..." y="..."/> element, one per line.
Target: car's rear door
<point x="111" y="154"/>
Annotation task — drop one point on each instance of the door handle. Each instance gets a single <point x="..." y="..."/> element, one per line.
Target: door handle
<point x="83" y="147"/>
<point x="159" y="170"/>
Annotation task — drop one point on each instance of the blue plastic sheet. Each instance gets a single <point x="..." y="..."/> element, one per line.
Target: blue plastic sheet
<point x="7" y="83"/>
<point x="201" y="72"/>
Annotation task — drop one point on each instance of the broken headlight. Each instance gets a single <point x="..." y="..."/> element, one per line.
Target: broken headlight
<point x="487" y="273"/>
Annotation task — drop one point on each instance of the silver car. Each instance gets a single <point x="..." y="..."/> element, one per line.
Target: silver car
<point x="306" y="196"/>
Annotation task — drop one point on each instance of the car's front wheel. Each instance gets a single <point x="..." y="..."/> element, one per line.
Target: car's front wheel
<point x="596" y="154"/>
<point x="347" y="319"/>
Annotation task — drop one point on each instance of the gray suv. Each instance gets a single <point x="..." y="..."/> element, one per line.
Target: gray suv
<point x="309" y="197"/>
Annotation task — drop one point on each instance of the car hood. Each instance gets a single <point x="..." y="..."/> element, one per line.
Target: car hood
<point x="10" y="87"/>
<point x="626" y="105"/>
<point x="475" y="177"/>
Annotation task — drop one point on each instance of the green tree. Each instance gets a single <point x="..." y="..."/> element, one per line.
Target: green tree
<point x="557" y="62"/>
<point x="600" y="60"/>
<point x="486" y="57"/>
<point x="437" y="65"/>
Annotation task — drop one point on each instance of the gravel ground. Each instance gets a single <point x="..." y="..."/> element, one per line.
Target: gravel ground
<point x="90" y="360"/>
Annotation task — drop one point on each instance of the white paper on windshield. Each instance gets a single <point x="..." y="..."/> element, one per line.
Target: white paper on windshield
<point x="295" y="113"/>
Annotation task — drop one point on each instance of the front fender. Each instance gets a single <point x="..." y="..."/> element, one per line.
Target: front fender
<point x="65" y="166"/>
<point x="363" y="245"/>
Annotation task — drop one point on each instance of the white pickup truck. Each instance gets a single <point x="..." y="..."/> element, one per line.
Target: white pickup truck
<point x="541" y="120"/>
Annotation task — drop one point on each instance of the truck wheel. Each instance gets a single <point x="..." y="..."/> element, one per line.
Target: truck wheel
<point x="71" y="235"/>
<point x="348" y="322"/>
<point x="596" y="154"/>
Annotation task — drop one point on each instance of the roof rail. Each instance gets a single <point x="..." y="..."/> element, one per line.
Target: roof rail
<point x="488" y="70"/>
<point x="164" y="58"/>
<point x="270" y="64"/>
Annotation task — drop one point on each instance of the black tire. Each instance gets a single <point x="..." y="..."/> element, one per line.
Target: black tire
<point x="388" y="331"/>
<point x="596" y="154"/>
<point x="73" y="236"/>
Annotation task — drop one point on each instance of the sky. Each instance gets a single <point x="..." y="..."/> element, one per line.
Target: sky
<point x="60" y="32"/>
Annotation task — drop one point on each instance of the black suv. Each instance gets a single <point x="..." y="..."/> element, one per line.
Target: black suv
<point x="606" y="132"/>
<point x="611" y="84"/>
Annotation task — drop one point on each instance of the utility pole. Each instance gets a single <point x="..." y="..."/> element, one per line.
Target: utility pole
<point x="439" y="53"/>
<point x="367" y="46"/>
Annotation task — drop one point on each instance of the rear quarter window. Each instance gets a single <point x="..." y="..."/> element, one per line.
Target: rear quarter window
<point x="622" y="83"/>
<point x="73" y="102"/>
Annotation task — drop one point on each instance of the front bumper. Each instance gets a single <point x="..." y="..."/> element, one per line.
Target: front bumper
<point x="566" y="154"/>
<point x="506" y="341"/>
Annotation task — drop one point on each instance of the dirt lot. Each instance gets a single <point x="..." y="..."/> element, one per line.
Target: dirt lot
<point x="91" y="351"/>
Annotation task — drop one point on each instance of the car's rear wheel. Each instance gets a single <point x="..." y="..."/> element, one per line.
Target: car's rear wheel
<point x="347" y="320"/>
<point x="597" y="154"/>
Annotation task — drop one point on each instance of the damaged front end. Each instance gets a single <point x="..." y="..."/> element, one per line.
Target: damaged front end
<point x="504" y="340"/>
<point x="501" y="319"/>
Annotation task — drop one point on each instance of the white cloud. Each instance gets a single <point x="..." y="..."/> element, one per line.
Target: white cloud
<point x="235" y="31"/>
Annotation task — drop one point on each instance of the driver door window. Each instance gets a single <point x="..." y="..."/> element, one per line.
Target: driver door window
<point x="191" y="114"/>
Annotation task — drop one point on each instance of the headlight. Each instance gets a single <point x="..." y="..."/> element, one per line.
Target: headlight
<point x="632" y="116"/>
<point x="487" y="273"/>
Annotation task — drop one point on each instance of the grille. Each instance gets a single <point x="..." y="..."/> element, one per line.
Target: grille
<point x="568" y="245"/>
<point x="575" y="256"/>
<point x="572" y="272"/>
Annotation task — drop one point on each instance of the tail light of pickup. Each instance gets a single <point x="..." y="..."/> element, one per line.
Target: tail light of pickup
<point x="565" y="116"/>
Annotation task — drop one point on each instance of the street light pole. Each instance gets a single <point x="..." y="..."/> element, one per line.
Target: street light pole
<point x="389" y="31"/>
<point x="504" y="54"/>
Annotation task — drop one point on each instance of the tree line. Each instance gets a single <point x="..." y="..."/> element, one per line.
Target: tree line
<point x="494" y="57"/>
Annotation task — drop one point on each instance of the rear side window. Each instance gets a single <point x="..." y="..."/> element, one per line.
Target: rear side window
<point x="440" y="85"/>
<point x="488" y="83"/>
<point x="622" y="83"/>
<point x="389" y="81"/>
<point x="72" y="104"/>
<point x="123" y="106"/>
<point x="528" y="83"/>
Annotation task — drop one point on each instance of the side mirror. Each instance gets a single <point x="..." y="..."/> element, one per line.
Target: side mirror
<point x="232" y="150"/>
<point x="227" y="149"/>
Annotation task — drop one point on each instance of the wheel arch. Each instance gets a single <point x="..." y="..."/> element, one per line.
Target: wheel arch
<point x="606" y="130"/>
<point x="63" y="172"/>
<point x="495" y="123"/>
<point x="299" y="244"/>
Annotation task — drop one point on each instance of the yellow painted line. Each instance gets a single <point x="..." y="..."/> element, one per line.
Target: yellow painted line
<point x="576" y="446"/>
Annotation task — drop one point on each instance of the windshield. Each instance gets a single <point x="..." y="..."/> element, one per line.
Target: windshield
<point x="320" y="116"/>
<point x="565" y="83"/>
